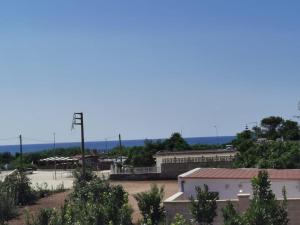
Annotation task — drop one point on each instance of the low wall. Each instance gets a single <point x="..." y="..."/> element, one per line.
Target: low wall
<point x="182" y="207"/>
<point x="135" y="177"/>
<point x="177" y="205"/>
<point x="172" y="170"/>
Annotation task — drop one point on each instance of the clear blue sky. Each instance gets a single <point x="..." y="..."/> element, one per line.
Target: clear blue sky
<point x="146" y="68"/>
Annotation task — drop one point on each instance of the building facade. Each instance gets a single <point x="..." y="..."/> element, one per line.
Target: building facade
<point x="234" y="185"/>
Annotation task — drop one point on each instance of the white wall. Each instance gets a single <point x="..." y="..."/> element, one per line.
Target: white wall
<point x="229" y="188"/>
<point x="159" y="158"/>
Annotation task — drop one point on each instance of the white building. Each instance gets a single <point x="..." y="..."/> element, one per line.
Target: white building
<point x="231" y="182"/>
<point x="193" y="156"/>
<point x="233" y="185"/>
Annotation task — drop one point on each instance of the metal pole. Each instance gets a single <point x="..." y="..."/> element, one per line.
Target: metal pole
<point x="21" y="152"/>
<point x="120" y="146"/>
<point x="82" y="144"/>
<point x="75" y="119"/>
<point x="54" y="156"/>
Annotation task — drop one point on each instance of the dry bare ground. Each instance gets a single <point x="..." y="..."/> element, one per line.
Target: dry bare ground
<point x="55" y="200"/>
<point x="132" y="187"/>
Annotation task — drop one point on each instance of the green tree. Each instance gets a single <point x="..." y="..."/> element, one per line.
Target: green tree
<point x="270" y="126"/>
<point x="204" y="207"/>
<point x="289" y="130"/>
<point x="264" y="208"/>
<point x="150" y="205"/>
<point x="176" y="143"/>
<point x="230" y="215"/>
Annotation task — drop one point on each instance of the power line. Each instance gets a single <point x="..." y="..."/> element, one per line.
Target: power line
<point x="9" y="138"/>
<point x="38" y="140"/>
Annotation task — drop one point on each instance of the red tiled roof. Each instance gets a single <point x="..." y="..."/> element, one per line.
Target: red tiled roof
<point x="243" y="173"/>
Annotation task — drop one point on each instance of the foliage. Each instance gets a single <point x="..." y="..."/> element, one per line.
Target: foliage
<point x="230" y="215"/>
<point x="14" y="190"/>
<point x="270" y="127"/>
<point x="30" y="159"/>
<point x="93" y="202"/>
<point x="140" y="156"/>
<point x="204" y="207"/>
<point x="5" y="158"/>
<point x="176" y="143"/>
<point x="42" y="190"/>
<point x="179" y="220"/>
<point x="150" y="204"/>
<point x="264" y="208"/>
<point x="17" y="185"/>
<point x="269" y="153"/>
<point x="7" y="207"/>
<point x="274" y="127"/>
<point x="280" y="155"/>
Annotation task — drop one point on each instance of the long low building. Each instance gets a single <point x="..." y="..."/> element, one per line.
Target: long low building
<point x="162" y="157"/>
<point x="234" y="185"/>
<point x="174" y="163"/>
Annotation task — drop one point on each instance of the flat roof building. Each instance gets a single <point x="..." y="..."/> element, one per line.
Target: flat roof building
<point x="234" y="185"/>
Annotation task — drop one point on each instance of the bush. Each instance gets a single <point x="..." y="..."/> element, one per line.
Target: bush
<point x="7" y="207"/>
<point x="204" y="207"/>
<point x="179" y="220"/>
<point x="150" y="205"/>
<point x="93" y="202"/>
<point x="17" y="186"/>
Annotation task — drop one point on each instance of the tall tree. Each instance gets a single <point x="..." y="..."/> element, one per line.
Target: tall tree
<point x="204" y="207"/>
<point x="270" y="126"/>
<point x="264" y="208"/>
<point x="176" y="142"/>
<point x="289" y="130"/>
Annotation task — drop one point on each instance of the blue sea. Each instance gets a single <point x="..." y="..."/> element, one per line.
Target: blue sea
<point x="108" y="145"/>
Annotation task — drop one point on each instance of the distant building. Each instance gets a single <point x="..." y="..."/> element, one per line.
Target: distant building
<point x="177" y="162"/>
<point x="234" y="185"/>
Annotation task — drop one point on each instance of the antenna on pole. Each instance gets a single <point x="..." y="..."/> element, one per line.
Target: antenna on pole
<point x="78" y="120"/>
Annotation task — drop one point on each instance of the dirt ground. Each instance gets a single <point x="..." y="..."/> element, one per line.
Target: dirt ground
<point x="132" y="187"/>
<point x="55" y="200"/>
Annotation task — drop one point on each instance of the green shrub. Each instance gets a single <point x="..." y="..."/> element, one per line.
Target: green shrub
<point x="150" y="205"/>
<point x="179" y="220"/>
<point x="7" y="207"/>
<point x="93" y="202"/>
<point x="17" y="186"/>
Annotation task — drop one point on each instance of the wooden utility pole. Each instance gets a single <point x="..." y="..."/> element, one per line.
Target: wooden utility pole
<point x="78" y="120"/>
<point x="54" y="156"/>
<point x="120" y="146"/>
<point x="21" y="152"/>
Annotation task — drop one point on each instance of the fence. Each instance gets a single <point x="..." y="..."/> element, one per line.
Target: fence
<point x="136" y="170"/>
<point x="199" y="159"/>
